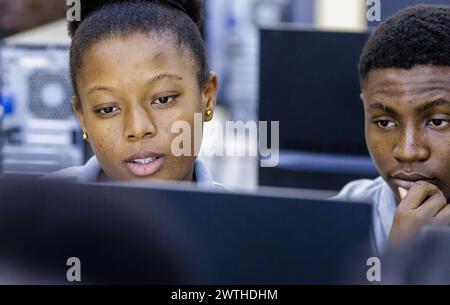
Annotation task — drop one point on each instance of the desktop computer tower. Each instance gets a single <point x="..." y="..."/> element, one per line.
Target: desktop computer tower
<point x="41" y="133"/>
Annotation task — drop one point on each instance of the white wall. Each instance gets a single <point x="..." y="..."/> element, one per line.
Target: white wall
<point x="341" y="14"/>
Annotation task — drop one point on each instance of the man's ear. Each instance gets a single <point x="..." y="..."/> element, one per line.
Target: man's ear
<point x="363" y="100"/>
<point x="76" y="106"/>
<point x="210" y="96"/>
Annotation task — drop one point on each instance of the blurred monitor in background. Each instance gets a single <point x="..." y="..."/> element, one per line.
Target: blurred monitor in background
<point x="312" y="88"/>
<point x="21" y="15"/>
<point x="316" y="98"/>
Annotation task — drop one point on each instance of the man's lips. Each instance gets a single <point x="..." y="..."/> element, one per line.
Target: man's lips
<point x="407" y="180"/>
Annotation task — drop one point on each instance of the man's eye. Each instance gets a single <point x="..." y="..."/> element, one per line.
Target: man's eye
<point x="108" y="110"/>
<point x="438" y="123"/>
<point x="164" y="100"/>
<point x="385" y="123"/>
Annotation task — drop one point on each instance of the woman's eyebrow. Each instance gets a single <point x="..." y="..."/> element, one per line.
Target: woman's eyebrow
<point x="149" y="83"/>
<point x="99" y="88"/>
<point x="427" y="106"/>
<point x="384" y="108"/>
<point x="162" y="76"/>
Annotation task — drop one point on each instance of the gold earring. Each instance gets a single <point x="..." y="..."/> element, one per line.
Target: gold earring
<point x="209" y="113"/>
<point x="85" y="136"/>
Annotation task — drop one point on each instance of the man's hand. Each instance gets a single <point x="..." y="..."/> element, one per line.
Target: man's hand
<point x="424" y="204"/>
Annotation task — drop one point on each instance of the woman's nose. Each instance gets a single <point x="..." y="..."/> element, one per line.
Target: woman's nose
<point x="139" y="124"/>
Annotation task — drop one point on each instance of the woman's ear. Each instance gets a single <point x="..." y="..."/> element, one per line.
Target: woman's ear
<point x="76" y="106"/>
<point x="210" y="96"/>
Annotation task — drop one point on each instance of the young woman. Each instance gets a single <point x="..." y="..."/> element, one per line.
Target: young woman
<point x="138" y="68"/>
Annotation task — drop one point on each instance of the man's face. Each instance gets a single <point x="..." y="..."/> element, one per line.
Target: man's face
<point x="408" y="125"/>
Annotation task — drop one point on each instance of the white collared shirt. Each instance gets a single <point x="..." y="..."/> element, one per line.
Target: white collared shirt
<point x="378" y="193"/>
<point x="89" y="172"/>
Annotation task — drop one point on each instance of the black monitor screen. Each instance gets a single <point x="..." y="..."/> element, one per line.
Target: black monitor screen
<point x="309" y="83"/>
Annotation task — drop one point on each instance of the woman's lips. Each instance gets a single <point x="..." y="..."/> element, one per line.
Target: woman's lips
<point x="143" y="155"/>
<point x="148" y="169"/>
<point x="144" y="163"/>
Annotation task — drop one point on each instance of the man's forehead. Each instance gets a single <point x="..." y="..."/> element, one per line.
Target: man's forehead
<point x="419" y="80"/>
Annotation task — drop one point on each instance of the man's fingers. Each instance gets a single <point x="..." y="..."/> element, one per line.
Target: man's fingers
<point x="402" y="192"/>
<point x="431" y="206"/>
<point x="443" y="217"/>
<point x="418" y="193"/>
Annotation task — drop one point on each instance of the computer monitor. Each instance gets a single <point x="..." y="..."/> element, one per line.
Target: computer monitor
<point x="309" y="83"/>
<point x="166" y="234"/>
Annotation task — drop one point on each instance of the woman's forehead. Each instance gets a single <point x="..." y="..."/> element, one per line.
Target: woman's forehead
<point x="137" y="51"/>
<point x="134" y="59"/>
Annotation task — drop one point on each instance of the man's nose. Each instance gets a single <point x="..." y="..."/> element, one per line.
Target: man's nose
<point x="411" y="147"/>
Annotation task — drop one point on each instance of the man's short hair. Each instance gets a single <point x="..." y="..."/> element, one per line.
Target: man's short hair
<point x="418" y="35"/>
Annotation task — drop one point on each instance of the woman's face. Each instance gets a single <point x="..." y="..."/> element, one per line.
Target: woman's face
<point x="132" y="90"/>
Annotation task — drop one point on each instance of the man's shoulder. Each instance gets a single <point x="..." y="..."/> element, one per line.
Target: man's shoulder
<point x="363" y="190"/>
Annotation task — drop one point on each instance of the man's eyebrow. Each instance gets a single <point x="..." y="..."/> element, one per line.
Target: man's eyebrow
<point x="429" y="105"/>
<point x="432" y="88"/>
<point x="150" y="82"/>
<point x="380" y="106"/>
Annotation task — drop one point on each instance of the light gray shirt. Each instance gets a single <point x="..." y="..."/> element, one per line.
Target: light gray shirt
<point x="378" y="193"/>
<point x="89" y="172"/>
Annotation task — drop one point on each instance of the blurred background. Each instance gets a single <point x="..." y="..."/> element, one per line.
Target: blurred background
<point x="292" y="61"/>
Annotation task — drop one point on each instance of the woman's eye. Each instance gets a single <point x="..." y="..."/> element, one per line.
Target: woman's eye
<point x="438" y="123"/>
<point x="164" y="100"/>
<point x="385" y="123"/>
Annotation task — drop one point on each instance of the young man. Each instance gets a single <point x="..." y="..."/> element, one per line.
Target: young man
<point x="405" y="82"/>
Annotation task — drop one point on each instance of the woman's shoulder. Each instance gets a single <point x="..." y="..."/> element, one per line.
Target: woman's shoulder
<point x="89" y="172"/>
<point x="84" y="173"/>
<point x="204" y="179"/>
